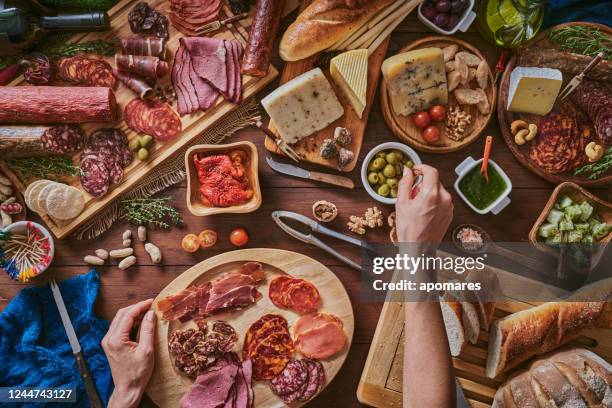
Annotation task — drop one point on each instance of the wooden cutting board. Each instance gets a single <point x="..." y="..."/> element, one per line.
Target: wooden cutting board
<point x="308" y="148"/>
<point x="193" y="125"/>
<point x="168" y="385"/>
<point x="381" y="380"/>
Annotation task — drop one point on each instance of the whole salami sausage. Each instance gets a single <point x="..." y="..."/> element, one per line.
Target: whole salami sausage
<point x="595" y="99"/>
<point x="261" y="38"/>
<point x="26" y="141"/>
<point x="56" y="104"/>
<point x="152" y="46"/>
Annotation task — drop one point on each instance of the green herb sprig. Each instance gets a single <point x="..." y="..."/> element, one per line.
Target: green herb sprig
<point x="598" y="168"/>
<point x="582" y="40"/>
<point x="48" y="167"/>
<point x="154" y="211"/>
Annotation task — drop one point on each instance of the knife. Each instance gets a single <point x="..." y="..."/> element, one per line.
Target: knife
<point x="92" y="393"/>
<point x="295" y="171"/>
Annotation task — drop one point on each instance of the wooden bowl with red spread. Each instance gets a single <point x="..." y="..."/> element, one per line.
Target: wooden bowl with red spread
<point x="222" y="179"/>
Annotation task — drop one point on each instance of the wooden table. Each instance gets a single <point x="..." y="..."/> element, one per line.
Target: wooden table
<point x="120" y="288"/>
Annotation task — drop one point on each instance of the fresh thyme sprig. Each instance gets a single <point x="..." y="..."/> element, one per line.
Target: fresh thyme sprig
<point x="598" y="168"/>
<point x="154" y="211"/>
<point x="48" y="167"/>
<point x="582" y="40"/>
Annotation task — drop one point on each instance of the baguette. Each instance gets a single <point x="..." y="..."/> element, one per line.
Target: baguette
<point x="538" y="330"/>
<point x="324" y="23"/>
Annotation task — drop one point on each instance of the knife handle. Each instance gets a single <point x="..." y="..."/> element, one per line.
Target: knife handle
<point x="90" y="387"/>
<point x="339" y="181"/>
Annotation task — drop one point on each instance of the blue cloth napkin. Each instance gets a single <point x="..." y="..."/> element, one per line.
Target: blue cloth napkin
<point x="564" y="11"/>
<point x="34" y="348"/>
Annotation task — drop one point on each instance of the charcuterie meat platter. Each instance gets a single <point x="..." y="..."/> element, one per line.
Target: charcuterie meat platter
<point x="239" y="329"/>
<point x="163" y="118"/>
<point x="558" y="152"/>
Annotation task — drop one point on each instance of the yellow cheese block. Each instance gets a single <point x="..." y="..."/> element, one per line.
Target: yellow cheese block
<point x="349" y="71"/>
<point x="533" y="90"/>
<point x="416" y="80"/>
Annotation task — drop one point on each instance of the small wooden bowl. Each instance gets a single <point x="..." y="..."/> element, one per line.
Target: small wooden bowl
<point x="194" y="203"/>
<point x="602" y="208"/>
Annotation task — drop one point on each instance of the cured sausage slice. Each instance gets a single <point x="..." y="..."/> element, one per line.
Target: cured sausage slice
<point x="277" y="290"/>
<point x="303" y="297"/>
<point x="153" y="118"/>
<point x="291" y="379"/>
<point x="315" y="370"/>
<point x="312" y="321"/>
<point x="95" y="176"/>
<point x="321" y="342"/>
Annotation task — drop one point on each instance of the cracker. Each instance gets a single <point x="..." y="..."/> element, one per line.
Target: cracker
<point x="32" y="199"/>
<point x="65" y="202"/>
<point x="28" y="190"/>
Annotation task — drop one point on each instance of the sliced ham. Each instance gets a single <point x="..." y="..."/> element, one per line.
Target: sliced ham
<point x="209" y="59"/>
<point x="321" y="342"/>
<point x="211" y="389"/>
<point x="313" y="321"/>
<point x="182" y="97"/>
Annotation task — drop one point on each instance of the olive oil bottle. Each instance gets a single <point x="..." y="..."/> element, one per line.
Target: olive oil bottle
<point x="510" y="23"/>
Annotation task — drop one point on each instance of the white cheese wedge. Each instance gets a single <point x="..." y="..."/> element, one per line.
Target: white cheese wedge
<point x="349" y="71"/>
<point x="533" y="90"/>
<point x="416" y="80"/>
<point x="303" y="106"/>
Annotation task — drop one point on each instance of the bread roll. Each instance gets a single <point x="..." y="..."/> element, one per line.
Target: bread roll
<point x="325" y="22"/>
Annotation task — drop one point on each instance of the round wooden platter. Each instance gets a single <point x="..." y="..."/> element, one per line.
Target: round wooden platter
<point x="505" y="118"/>
<point x="168" y="385"/>
<point x="402" y="126"/>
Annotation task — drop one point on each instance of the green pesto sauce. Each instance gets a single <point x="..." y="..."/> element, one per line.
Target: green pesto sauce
<point x="476" y="189"/>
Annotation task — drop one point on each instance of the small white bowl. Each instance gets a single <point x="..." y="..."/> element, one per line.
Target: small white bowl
<point x="366" y="161"/>
<point x="20" y="227"/>
<point x="496" y="206"/>
<point x="463" y="24"/>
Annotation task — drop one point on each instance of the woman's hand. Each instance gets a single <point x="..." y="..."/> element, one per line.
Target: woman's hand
<point x="423" y="215"/>
<point x="131" y="363"/>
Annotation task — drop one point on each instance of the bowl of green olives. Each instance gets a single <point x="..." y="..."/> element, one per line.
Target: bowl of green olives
<point x="383" y="167"/>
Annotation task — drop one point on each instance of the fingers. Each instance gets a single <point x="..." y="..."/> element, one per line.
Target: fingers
<point x="430" y="177"/>
<point x="405" y="185"/>
<point x="147" y="332"/>
<point x="129" y="315"/>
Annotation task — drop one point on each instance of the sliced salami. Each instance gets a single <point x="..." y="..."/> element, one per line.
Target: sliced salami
<point x="314" y="375"/>
<point x="152" y="118"/>
<point x="277" y="290"/>
<point x="303" y="297"/>
<point x="95" y="177"/>
<point x="63" y="139"/>
<point x="295" y="395"/>
<point x="291" y="379"/>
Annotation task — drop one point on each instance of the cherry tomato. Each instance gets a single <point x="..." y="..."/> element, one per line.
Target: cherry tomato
<point x="207" y="238"/>
<point x="437" y="112"/>
<point x="421" y="119"/>
<point x="239" y="237"/>
<point x="431" y="134"/>
<point x="190" y="243"/>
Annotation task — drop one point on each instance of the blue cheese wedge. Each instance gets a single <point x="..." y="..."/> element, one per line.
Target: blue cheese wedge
<point x="533" y="90"/>
<point x="416" y="80"/>
<point x="349" y="71"/>
<point x="303" y="106"/>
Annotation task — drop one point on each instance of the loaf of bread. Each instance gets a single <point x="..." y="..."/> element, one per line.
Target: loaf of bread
<point x="572" y="378"/>
<point x="325" y="22"/>
<point x="538" y="330"/>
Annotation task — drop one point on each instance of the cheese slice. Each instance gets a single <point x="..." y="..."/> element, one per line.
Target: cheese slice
<point x="533" y="90"/>
<point x="349" y="71"/>
<point x="416" y="80"/>
<point x="303" y="106"/>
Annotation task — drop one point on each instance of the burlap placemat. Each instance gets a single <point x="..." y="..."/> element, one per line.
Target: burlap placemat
<point x="172" y="171"/>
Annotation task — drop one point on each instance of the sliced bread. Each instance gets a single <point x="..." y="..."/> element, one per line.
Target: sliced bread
<point x="452" y="315"/>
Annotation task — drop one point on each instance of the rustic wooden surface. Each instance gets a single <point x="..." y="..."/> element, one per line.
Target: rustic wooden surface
<point x="120" y="288"/>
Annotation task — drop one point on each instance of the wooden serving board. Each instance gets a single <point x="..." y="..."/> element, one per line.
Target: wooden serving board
<point x="168" y="385"/>
<point x="506" y="118"/>
<point x="381" y="380"/>
<point x="193" y="125"/>
<point x="403" y="127"/>
<point x="308" y="148"/>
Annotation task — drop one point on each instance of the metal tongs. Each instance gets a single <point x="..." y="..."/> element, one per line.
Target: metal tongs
<point x="277" y="216"/>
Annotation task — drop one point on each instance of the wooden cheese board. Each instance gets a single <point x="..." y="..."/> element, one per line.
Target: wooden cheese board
<point x="192" y="125"/>
<point x="404" y="128"/>
<point x="308" y="148"/>
<point x="506" y="118"/>
<point x="381" y="380"/>
<point x="167" y="385"/>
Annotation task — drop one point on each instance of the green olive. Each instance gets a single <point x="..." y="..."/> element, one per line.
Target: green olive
<point x="378" y="163"/>
<point x="382" y="154"/>
<point x="392" y="182"/>
<point x="391" y="158"/>
<point x="146" y="141"/>
<point x="373" y="178"/>
<point x="399" y="169"/>
<point x="135" y="144"/>
<point x="371" y="167"/>
<point x="394" y="192"/>
<point x="389" y="170"/>
<point x="409" y="164"/>
<point x="399" y="154"/>
<point x="143" y="154"/>
<point x="383" y="190"/>
<point x="382" y="179"/>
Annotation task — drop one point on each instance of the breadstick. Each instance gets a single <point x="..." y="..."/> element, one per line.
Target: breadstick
<point x="374" y="45"/>
<point x="384" y="13"/>
<point x="381" y="27"/>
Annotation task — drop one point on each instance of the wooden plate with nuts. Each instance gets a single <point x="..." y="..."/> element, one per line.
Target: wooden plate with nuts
<point x="463" y="122"/>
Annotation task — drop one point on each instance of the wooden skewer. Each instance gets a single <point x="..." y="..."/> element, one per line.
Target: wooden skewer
<point x="374" y="45"/>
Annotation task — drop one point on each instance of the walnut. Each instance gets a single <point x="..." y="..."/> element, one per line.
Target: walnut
<point x="342" y="136"/>
<point x="328" y="149"/>
<point x="457" y="123"/>
<point x="345" y="156"/>
<point x="357" y="225"/>
<point x="374" y="217"/>
<point x="324" y="211"/>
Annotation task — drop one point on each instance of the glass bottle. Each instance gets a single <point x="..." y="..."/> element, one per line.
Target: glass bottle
<point x="510" y="23"/>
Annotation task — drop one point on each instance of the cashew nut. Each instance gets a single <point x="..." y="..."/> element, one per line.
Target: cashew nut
<point x="520" y="137"/>
<point x="533" y="131"/>
<point x="594" y="151"/>
<point x="516" y="125"/>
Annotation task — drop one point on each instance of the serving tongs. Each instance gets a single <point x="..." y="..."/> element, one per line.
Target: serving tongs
<point x="280" y="143"/>
<point x="216" y="25"/>
<point x="573" y="84"/>
<point x="314" y="226"/>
